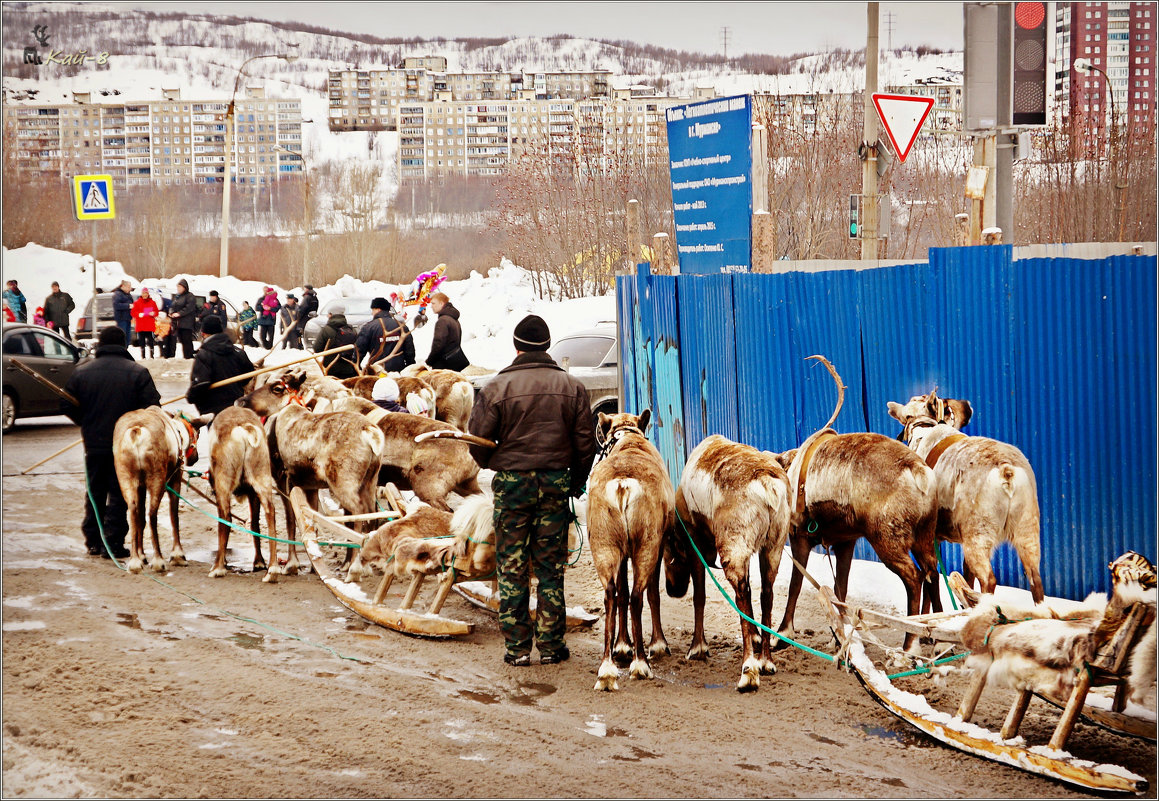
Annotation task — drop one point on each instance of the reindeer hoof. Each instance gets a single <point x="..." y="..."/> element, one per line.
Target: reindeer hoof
<point x="698" y="653"/>
<point x="259" y="565"/>
<point x="353" y="576"/>
<point x="900" y="661"/>
<point x="640" y="670"/>
<point x="271" y="576"/>
<point x="750" y="676"/>
<point x="291" y="569"/>
<point x="305" y="567"/>
<point x="658" y="649"/>
<point x="606" y="679"/>
<point x="217" y="572"/>
<point x="158" y="565"/>
<point x="135" y="565"/>
<point x="767" y="667"/>
<point x="177" y="560"/>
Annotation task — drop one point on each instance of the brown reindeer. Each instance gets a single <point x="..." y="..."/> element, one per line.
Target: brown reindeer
<point x="734" y="502"/>
<point x="848" y="486"/>
<point x="339" y="451"/>
<point x="239" y="464"/>
<point x="630" y="511"/>
<point x="986" y="493"/>
<point x="432" y="468"/>
<point x="454" y="394"/>
<point x="150" y="449"/>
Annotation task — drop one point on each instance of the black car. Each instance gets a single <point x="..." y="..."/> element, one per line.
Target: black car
<point x="48" y="354"/>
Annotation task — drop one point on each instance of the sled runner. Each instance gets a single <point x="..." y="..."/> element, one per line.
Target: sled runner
<point x="1112" y="636"/>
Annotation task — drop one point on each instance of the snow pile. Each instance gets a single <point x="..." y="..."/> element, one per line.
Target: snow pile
<point x="491" y="306"/>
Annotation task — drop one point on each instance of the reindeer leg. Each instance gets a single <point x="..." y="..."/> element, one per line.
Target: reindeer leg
<point x="768" y="560"/>
<point x="608" y="676"/>
<point x="641" y="582"/>
<point x="137" y="516"/>
<point x="800" y="546"/>
<point x="698" y="650"/>
<point x="157" y="564"/>
<point x="292" y="566"/>
<point x="176" y="553"/>
<point x="622" y="651"/>
<point x="659" y="645"/>
<point x="736" y="570"/>
<point x="273" y="569"/>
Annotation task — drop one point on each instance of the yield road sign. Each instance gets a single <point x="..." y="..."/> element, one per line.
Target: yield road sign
<point x="93" y="197"/>
<point x="902" y="116"/>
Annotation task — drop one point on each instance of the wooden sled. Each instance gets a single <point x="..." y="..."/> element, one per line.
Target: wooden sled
<point x="485" y="595"/>
<point x="955" y="730"/>
<point x="1113" y="714"/>
<point x="404" y="618"/>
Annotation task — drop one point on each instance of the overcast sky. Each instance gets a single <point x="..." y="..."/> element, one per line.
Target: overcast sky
<point x="754" y="27"/>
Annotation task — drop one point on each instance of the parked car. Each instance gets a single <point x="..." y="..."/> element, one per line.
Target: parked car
<point x="358" y="314"/>
<point x="105" y="312"/>
<point x="47" y="353"/>
<point x="593" y="356"/>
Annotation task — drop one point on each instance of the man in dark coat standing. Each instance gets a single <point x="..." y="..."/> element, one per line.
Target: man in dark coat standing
<point x="541" y="418"/>
<point x="335" y="333"/>
<point x="57" y="308"/>
<point x="378" y="338"/>
<point x="308" y="306"/>
<point x="183" y="314"/>
<point x="446" y="347"/>
<point x="216" y="360"/>
<point x="216" y="306"/>
<point x="122" y="309"/>
<point x="106" y="388"/>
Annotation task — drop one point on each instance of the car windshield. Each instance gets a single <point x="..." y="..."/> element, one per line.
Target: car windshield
<point x="591" y="351"/>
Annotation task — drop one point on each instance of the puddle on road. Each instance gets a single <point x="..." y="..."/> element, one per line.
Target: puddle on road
<point x="825" y="740"/>
<point x="532" y="691"/>
<point x="482" y="698"/>
<point x="904" y="737"/>
<point x="129" y="620"/>
<point x="252" y="642"/>
<point x="638" y="755"/>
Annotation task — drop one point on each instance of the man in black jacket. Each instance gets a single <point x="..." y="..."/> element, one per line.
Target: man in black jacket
<point x="123" y="309"/>
<point x="541" y="418"/>
<point x="107" y="387"/>
<point x="57" y="308"/>
<point x="335" y="333"/>
<point x="378" y="338"/>
<point x="216" y="306"/>
<point x="217" y="359"/>
<point x="183" y="314"/>
<point x="446" y="347"/>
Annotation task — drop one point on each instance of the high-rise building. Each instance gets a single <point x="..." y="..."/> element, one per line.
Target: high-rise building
<point x="1119" y="39"/>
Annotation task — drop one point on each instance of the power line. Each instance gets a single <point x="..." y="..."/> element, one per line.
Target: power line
<point x="889" y="17"/>
<point x="724" y="33"/>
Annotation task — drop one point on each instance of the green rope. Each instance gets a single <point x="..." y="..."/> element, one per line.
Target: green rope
<point x="109" y="551"/>
<point x="928" y="667"/>
<point x="942" y="572"/>
<point x="724" y="595"/>
<point x="245" y="530"/>
<point x="577" y="551"/>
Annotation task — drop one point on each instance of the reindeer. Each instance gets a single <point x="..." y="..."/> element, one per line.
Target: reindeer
<point x="630" y="510"/>
<point x="363" y="385"/>
<point x="150" y="449"/>
<point x="239" y="460"/>
<point x="339" y="451"/>
<point x="454" y="394"/>
<point x="848" y="486"/>
<point x="986" y="490"/>
<point x="735" y="502"/>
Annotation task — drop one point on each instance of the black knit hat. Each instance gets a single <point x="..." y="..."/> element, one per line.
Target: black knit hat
<point x="111" y="335"/>
<point x="379" y="303"/>
<point x="183" y="283"/>
<point x="211" y="325"/>
<point x="532" y="334"/>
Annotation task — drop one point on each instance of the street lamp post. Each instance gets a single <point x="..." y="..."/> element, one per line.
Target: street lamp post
<point x="1086" y="65"/>
<point x="223" y="263"/>
<point x="301" y="156"/>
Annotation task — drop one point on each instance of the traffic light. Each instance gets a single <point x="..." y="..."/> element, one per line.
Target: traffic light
<point x="854" y="216"/>
<point x="1029" y="64"/>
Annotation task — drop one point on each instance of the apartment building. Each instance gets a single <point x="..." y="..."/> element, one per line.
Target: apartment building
<point x="369" y="100"/>
<point x="464" y="137"/>
<point x="1119" y="39"/>
<point x="168" y="141"/>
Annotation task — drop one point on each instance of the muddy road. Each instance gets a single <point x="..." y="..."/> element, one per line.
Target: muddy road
<point x="184" y="686"/>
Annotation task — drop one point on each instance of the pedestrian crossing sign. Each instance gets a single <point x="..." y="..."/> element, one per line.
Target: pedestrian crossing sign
<point x="93" y="197"/>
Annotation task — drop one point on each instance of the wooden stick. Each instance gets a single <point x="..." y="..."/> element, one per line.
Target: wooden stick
<point x="53" y="456"/>
<point x="68" y="396"/>
<point x="285" y="333"/>
<point x="260" y="370"/>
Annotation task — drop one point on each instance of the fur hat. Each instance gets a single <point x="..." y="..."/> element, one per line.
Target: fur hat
<point x="111" y="335"/>
<point x="385" y="389"/>
<point x="338" y="308"/>
<point x="379" y="303"/>
<point x="183" y="283"/>
<point x="532" y="334"/>
<point x="211" y="325"/>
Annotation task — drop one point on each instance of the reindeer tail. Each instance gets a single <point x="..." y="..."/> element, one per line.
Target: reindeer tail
<point x="372" y="435"/>
<point x="473" y="521"/>
<point x="1006" y="474"/>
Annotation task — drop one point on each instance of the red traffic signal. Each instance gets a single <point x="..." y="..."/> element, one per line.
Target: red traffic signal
<point x="1029" y="64"/>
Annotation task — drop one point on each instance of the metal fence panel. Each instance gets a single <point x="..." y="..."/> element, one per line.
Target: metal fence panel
<point x="627" y="332"/>
<point x="708" y="362"/>
<point x="765" y="361"/>
<point x="667" y="430"/>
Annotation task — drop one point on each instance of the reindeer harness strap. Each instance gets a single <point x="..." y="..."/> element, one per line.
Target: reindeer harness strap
<point x="937" y="451"/>
<point x="808" y="457"/>
<point x="192" y="447"/>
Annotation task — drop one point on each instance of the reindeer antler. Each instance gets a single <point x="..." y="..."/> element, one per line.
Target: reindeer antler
<point x="840" y="388"/>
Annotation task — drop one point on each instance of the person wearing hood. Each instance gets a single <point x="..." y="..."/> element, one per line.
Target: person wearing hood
<point x="335" y="333"/>
<point x="182" y="315"/>
<point x="106" y="388"/>
<point x="384" y="393"/>
<point x="446" y="347"/>
<point x="123" y="309"/>
<point x="217" y="359"/>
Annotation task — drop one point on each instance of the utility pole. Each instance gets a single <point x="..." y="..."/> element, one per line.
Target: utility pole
<point x="889" y="18"/>
<point x="724" y="32"/>
<point x="869" y="138"/>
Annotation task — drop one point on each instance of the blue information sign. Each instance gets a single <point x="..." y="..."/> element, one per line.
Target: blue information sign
<point x="711" y="162"/>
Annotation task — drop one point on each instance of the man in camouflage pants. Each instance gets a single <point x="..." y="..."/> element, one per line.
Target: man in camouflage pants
<point x="540" y="417"/>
